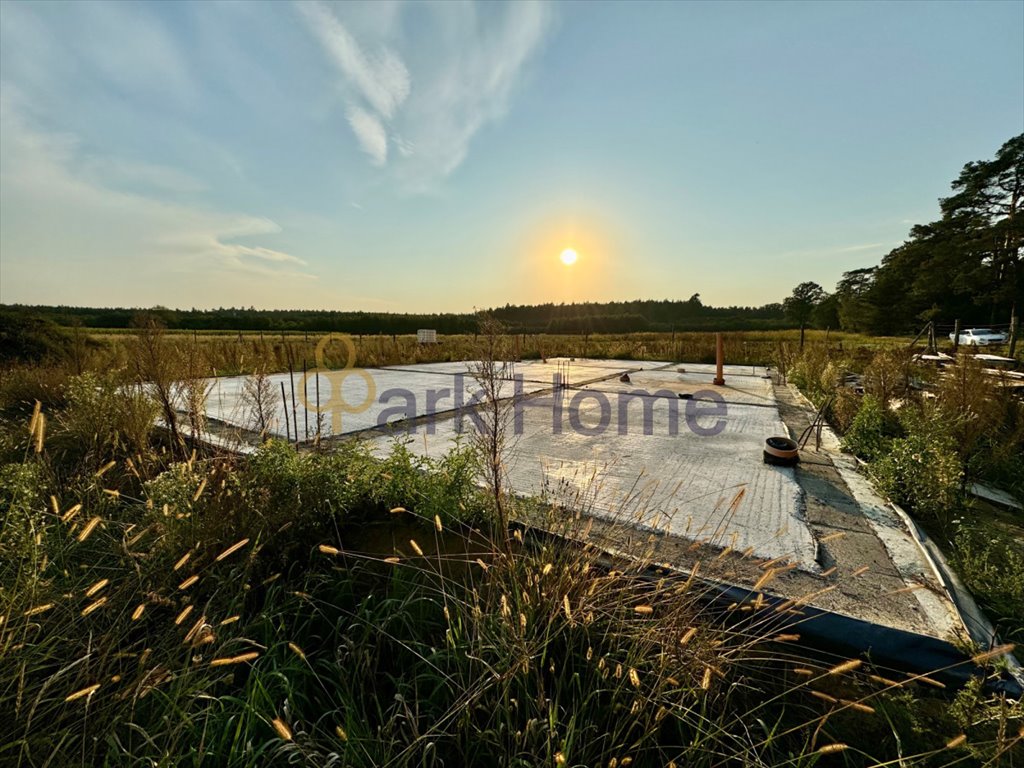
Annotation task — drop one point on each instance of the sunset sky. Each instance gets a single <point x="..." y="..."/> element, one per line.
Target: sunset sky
<point x="442" y="156"/>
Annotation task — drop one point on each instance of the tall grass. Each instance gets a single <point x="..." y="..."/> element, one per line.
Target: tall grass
<point x="337" y="609"/>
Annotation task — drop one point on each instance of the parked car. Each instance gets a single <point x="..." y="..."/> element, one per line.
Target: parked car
<point x="980" y="337"/>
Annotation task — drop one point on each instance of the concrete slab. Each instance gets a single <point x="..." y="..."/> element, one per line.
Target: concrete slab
<point x="687" y="468"/>
<point x="368" y="398"/>
<point x="650" y="467"/>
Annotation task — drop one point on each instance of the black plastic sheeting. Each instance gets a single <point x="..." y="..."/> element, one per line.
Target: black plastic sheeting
<point x="826" y="631"/>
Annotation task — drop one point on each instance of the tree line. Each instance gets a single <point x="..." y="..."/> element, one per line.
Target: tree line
<point x="964" y="266"/>
<point x="589" y="317"/>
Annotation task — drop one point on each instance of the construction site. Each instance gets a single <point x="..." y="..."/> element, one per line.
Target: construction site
<point x="667" y="459"/>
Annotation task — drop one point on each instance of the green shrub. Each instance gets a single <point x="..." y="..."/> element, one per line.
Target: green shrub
<point x="991" y="564"/>
<point x="104" y="419"/>
<point x="923" y="470"/>
<point x="815" y="373"/>
<point x="22" y="386"/>
<point x="871" y="431"/>
<point x="844" y="409"/>
<point x="22" y="508"/>
<point x="31" y="339"/>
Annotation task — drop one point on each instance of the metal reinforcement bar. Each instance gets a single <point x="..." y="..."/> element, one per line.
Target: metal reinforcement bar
<point x="819" y="629"/>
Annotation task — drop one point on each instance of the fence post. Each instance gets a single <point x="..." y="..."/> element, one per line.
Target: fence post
<point x="1014" y="321"/>
<point x="956" y="336"/>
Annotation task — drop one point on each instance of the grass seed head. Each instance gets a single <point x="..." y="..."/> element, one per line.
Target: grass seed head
<point x="830" y="749"/>
<point x="282" y="730"/>
<point x="189" y="581"/>
<point x="846" y="666"/>
<point x="240" y="659"/>
<point x="231" y="550"/>
<point x="94" y="606"/>
<point x="89" y="691"/>
<point x="89" y="528"/>
<point x="999" y="650"/>
<point x="96" y="587"/>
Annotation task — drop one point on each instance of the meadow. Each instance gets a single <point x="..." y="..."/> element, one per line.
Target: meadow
<point x="166" y="604"/>
<point x="234" y="353"/>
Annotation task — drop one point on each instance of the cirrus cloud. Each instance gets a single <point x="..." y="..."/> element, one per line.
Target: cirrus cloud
<point x="429" y="112"/>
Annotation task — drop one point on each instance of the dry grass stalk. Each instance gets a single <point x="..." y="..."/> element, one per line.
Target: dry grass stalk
<point x="96" y="587"/>
<point x="89" y="691"/>
<point x="282" y="730"/>
<point x="70" y="514"/>
<point x="999" y="650"/>
<point x="846" y="666"/>
<point x="105" y="468"/>
<point x="89" y="528"/>
<point x="189" y="581"/>
<point x="830" y="749"/>
<point x="93" y="606"/>
<point x="240" y="659"/>
<point x="231" y="550"/>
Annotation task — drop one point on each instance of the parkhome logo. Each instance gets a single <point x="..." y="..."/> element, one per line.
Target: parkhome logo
<point x="587" y="412"/>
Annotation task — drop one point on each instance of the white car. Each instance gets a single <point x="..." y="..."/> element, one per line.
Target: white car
<point x="979" y="337"/>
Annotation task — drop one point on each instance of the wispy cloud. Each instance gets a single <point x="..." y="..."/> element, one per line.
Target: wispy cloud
<point x="856" y="248"/>
<point x="837" y="250"/>
<point x="370" y="134"/>
<point x="119" y="172"/>
<point x="469" y="61"/>
<point x="107" y="234"/>
<point x="382" y="79"/>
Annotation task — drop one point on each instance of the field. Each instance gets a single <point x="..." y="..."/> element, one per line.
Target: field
<point x="168" y="605"/>
<point x="232" y="353"/>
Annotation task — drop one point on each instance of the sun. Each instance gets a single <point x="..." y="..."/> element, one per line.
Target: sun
<point x="568" y="257"/>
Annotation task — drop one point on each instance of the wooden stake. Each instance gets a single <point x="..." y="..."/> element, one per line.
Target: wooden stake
<point x="284" y="402"/>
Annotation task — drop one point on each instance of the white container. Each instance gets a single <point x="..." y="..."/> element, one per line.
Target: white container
<point x="426" y="336"/>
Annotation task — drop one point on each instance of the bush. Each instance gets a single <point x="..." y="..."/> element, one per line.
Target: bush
<point x="871" y="431"/>
<point x="815" y="373"/>
<point x="22" y="508"/>
<point x="992" y="566"/>
<point x="844" y="409"/>
<point x="103" y="419"/>
<point x="923" y="470"/>
<point x="31" y="339"/>
<point x="886" y="375"/>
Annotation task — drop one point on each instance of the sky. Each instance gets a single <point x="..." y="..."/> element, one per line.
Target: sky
<point x="436" y="157"/>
